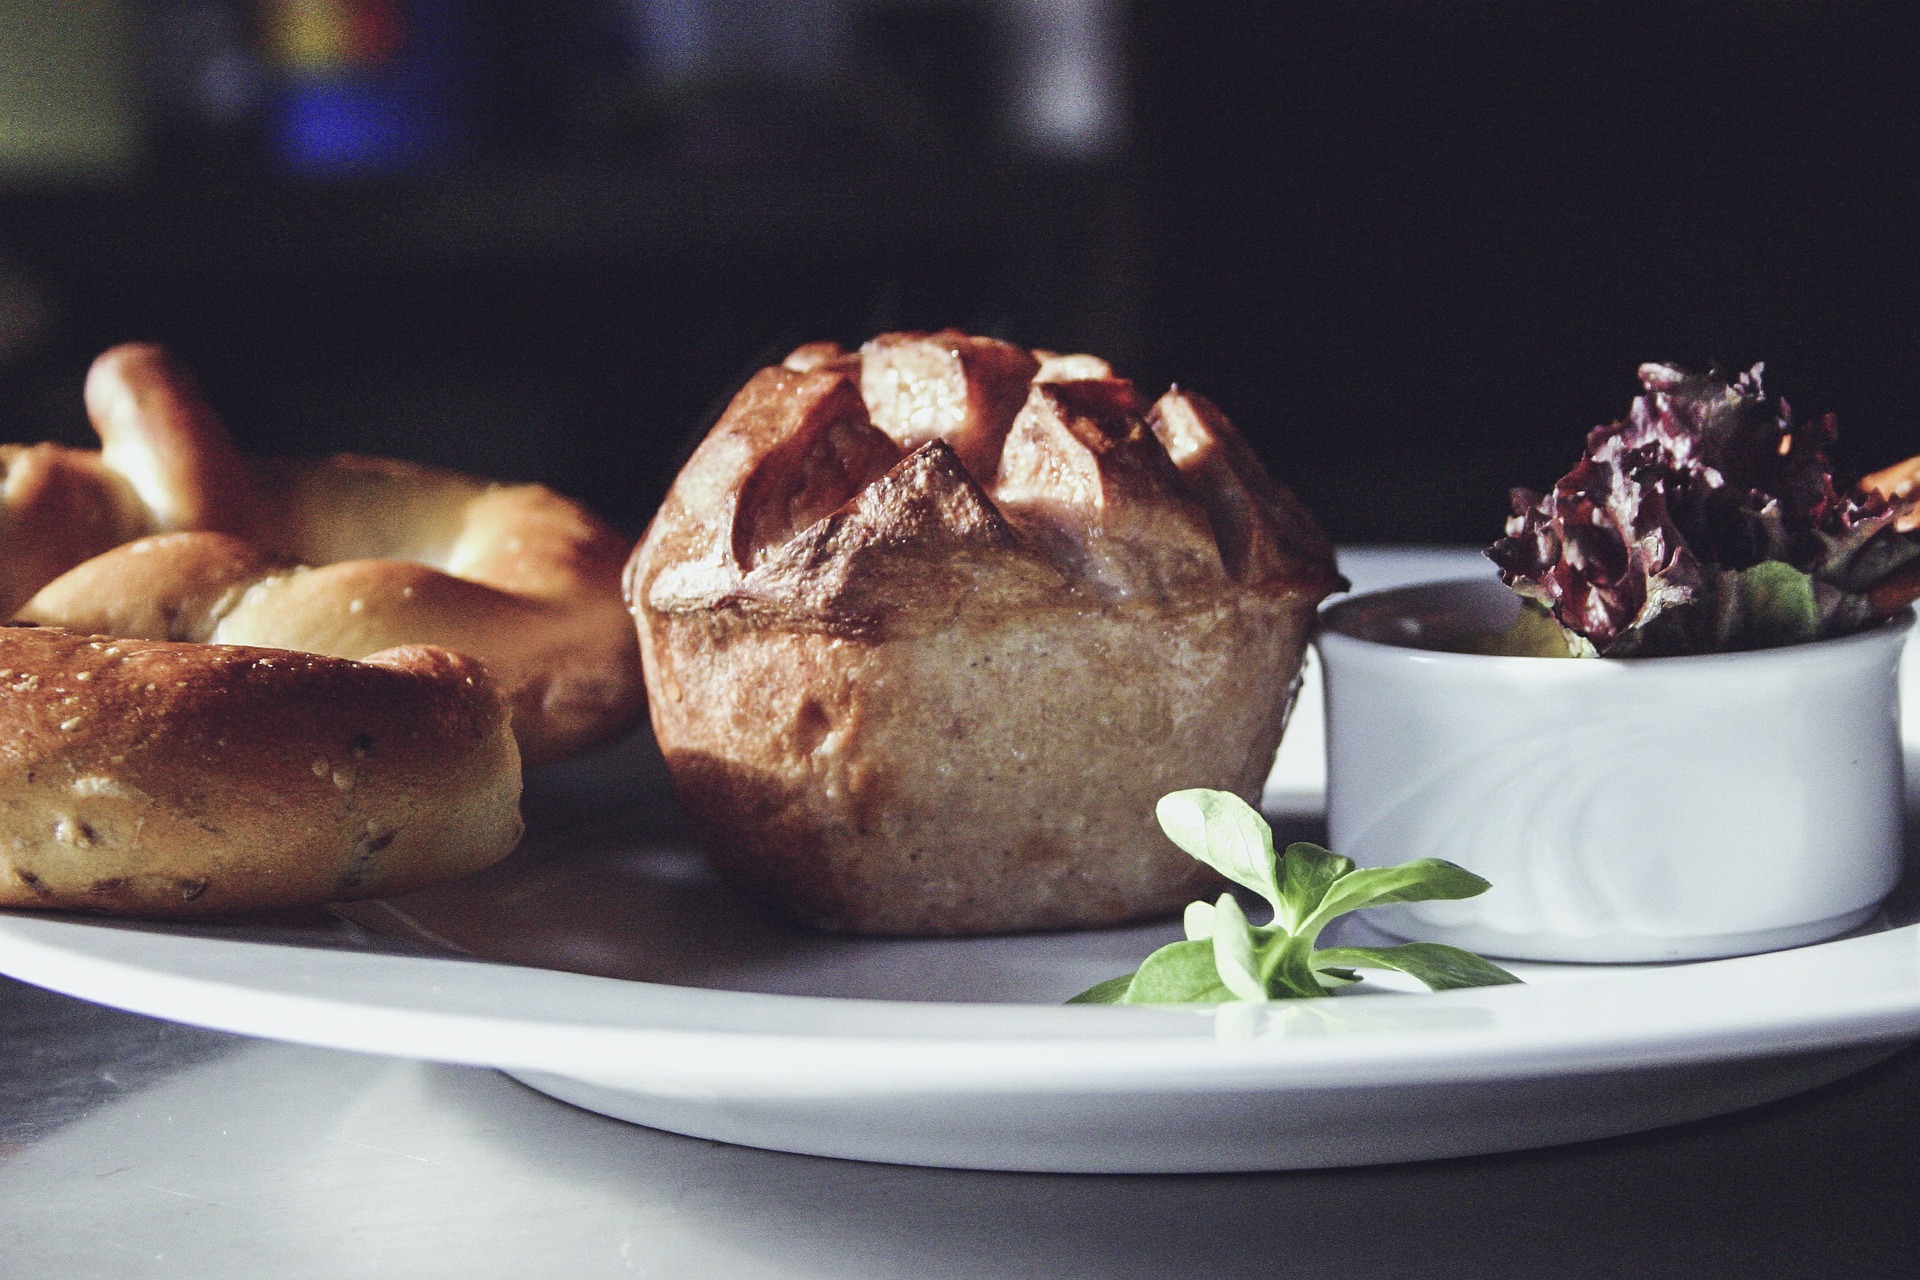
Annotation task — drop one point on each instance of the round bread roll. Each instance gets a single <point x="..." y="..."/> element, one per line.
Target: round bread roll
<point x="168" y="534"/>
<point x="928" y="629"/>
<point x="160" y="779"/>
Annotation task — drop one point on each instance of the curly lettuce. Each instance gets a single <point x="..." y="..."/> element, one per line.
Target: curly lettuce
<point x="1704" y="521"/>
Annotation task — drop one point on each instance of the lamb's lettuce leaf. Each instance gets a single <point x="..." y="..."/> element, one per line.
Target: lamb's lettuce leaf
<point x="1225" y="957"/>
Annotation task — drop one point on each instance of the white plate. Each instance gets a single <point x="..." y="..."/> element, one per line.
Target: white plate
<point x="618" y="976"/>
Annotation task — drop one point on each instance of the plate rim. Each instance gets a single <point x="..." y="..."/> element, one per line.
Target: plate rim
<point x="679" y="1036"/>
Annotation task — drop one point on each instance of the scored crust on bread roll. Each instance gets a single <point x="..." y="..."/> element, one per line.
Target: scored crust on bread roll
<point x="167" y="534"/>
<point x="929" y="627"/>
<point x="159" y="779"/>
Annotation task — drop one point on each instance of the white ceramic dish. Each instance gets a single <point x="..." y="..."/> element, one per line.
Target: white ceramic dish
<point x="957" y="1053"/>
<point x="1626" y="810"/>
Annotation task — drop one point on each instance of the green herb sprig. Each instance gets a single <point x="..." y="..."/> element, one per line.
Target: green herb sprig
<point x="1226" y="958"/>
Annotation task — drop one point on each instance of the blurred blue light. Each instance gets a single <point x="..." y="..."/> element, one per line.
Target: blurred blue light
<point x="341" y="125"/>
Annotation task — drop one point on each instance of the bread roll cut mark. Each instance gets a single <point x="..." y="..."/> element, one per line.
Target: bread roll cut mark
<point x="1084" y="478"/>
<point x="1055" y="367"/>
<point x="809" y="356"/>
<point x="922" y="540"/>
<point x="809" y="459"/>
<point x="946" y="386"/>
<point x="1264" y="532"/>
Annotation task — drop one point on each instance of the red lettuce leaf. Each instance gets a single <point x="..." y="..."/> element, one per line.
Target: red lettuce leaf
<point x="1650" y="545"/>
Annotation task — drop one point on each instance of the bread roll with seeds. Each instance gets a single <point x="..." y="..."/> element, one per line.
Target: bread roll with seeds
<point x="168" y="780"/>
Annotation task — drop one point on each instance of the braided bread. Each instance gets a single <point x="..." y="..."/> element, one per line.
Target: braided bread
<point x="164" y="464"/>
<point x="162" y="752"/>
<point x="168" y="534"/>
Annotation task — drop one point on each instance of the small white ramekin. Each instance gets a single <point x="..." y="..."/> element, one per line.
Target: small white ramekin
<point x="1624" y="809"/>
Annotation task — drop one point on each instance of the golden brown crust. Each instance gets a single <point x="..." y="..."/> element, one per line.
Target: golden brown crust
<point x="58" y="507"/>
<point x="1085" y="479"/>
<point x="946" y="386"/>
<point x="948" y="702"/>
<point x="158" y="432"/>
<point x="978" y="779"/>
<point x="184" y="580"/>
<point x="160" y="779"/>
<point x="1264" y="532"/>
<point x="397" y="553"/>
<point x="906" y="553"/>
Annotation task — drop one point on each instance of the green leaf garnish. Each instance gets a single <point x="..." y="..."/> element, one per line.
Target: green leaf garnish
<point x="1179" y="973"/>
<point x="1223" y="831"/>
<point x="1225" y="957"/>
<point x="1533" y="633"/>
<point x="1441" y="967"/>
<point x="1422" y="880"/>
<point x="1233" y="950"/>
<point x="1311" y="871"/>
<point x="1768" y="605"/>
<point x="1108" y="992"/>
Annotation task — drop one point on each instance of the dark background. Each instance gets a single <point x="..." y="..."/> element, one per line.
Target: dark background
<point x="1414" y="250"/>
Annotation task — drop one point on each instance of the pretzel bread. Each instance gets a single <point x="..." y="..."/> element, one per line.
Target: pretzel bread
<point x="167" y="534"/>
<point x="156" y="779"/>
